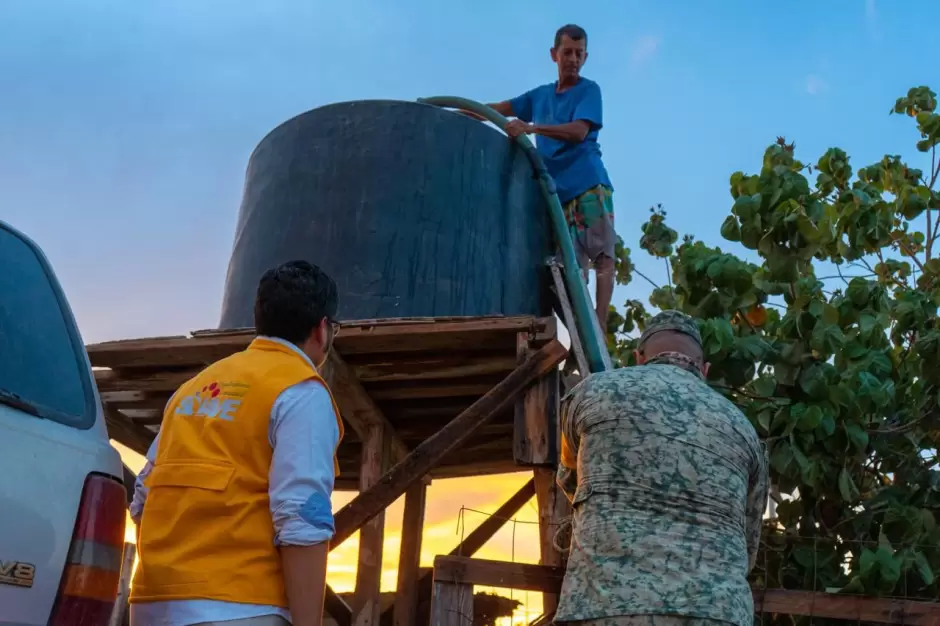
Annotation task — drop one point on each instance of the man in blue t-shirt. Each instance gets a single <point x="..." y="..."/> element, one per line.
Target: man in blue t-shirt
<point x="567" y="116"/>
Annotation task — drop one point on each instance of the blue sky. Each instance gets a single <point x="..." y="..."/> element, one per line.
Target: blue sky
<point x="125" y="127"/>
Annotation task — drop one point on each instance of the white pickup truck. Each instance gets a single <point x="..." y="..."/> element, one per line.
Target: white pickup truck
<point x="62" y="500"/>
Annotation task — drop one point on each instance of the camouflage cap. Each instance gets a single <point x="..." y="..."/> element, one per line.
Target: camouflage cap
<point x="676" y="321"/>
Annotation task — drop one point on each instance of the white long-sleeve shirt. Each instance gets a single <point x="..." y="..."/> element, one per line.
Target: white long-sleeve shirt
<point x="303" y="434"/>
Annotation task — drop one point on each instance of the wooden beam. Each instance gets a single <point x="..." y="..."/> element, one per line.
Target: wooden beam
<point x="372" y="336"/>
<point x="466" y="571"/>
<point x="535" y="421"/>
<point x="367" y="600"/>
<point x="425" y="390"/>
<point x="567" y="316"/>
<point x="473" y="542"/>
<point x="337" y="608"/>
<point x="433" y="367"/>
<point x="855" y="608"/>
<point x="553" y="510"/>
<point x="357" y="407"/>
<point x="121" y="428"/>
<point x="522" y="576"/>
<point x="166" y="382"/>
<point x="422" y="459"/>
<point x="409" y="560"/>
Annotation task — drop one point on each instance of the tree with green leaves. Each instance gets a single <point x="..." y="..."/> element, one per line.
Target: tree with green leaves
<point x="829" y="342"/>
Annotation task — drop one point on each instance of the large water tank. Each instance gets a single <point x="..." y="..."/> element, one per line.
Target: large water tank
<point x="414" y="210"/>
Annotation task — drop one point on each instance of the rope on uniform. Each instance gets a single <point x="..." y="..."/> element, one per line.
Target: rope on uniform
<point x="563" y="526"/>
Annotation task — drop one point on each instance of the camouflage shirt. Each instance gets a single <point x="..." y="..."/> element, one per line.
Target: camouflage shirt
<point x="668" y="483"/>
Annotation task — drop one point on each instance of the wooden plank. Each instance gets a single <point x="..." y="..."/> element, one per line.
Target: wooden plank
<point x="554" y="510"/>
<point x="433" y="367"/>
<point x="124" y="430"/>
<point x="356" y="406"/>
<point x="426" y="456"/>
<point x="478" y="334"/>
<point x="109" y="380"/>
<point x="134" y="400"/>
<point x="536" y="417"/>
<point x="367" y="601"/>
<point x="567" y="315"/>
<point x="855" y="608"/>
<point x="456" y="388"/>
<point x="475" y="541"/>
<point x="522" y="576"/>
<point x="409" y="561"/>
<point x="452" y="605"/>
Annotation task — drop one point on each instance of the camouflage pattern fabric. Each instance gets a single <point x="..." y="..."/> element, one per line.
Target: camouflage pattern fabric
<point x="671" y="320"/>
<point x="649" y="620"/>
<point x="668" y="491"/>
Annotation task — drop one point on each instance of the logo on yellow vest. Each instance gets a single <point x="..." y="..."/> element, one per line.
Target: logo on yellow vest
<point x="214" y="401"/>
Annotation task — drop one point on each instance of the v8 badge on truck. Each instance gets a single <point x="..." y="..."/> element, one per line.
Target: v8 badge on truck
<point x="17" y="574"/>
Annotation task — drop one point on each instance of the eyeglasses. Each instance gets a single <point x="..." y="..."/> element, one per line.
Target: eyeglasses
<point x="334" y="326"/>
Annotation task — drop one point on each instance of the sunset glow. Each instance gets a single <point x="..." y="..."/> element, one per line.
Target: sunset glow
<point x="454" y="508"/>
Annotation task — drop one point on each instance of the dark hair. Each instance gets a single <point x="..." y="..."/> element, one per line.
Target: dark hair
<point x="573" y="31"/>
<point x="292" y="300"/>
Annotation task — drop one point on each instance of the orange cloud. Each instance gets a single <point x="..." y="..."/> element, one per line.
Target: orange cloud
<point x="454" y="508"/>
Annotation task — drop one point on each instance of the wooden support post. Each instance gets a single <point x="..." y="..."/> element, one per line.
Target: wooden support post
<point x="367" y="601"/>
<point x="409" y="560"/>
<point x="451" y="604"/>
<point x="426" y="456"/>
<point x="473" y="542"/>
<point x="119" y="612"/>
<point x="535" y="427"/>
<point x="554" y="510"/>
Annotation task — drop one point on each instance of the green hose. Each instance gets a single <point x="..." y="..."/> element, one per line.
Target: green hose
<point x="595" y="346"/>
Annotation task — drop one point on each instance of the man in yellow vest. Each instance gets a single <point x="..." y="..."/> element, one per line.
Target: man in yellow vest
<point x="233" y="506"/>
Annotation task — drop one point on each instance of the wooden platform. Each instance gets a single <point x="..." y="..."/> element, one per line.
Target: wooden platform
<point x="419" y="373"/>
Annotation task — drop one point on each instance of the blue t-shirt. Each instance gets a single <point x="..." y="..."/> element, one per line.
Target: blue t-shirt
<point x="576" y="167"/>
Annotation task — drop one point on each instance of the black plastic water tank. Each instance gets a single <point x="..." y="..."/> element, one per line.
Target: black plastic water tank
<point x="414" y="210"/>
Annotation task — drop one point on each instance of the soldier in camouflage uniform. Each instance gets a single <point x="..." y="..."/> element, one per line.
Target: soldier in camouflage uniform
<point x="668" y="483"/>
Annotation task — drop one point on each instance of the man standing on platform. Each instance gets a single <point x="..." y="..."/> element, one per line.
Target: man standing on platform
<point x="567" y="116"/>
<point x="668" y="484"/>
<point x="233" y="506"/>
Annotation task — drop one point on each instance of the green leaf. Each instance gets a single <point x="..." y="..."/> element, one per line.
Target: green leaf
<point x="929" y="521"/>
<point x="923" y="567"/>
<point x="731" y="229"/>
<point x="799" y="457"/>
<point x="847" y="488"/>
<point x="765" y="386"/>
<point x="867" y="562"/>
<point x="810" y="419"/>
<point x="857" y="436"/>
<point x="781" y="456"/>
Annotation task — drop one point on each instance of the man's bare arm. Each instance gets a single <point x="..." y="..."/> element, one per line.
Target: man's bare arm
<point x="503" y="108"/>
<point x="305" y="582"/>
<point x="572" y="132"/>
